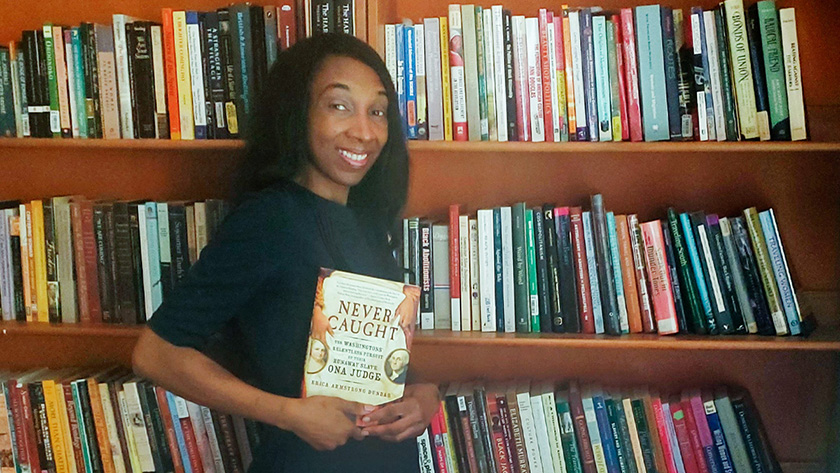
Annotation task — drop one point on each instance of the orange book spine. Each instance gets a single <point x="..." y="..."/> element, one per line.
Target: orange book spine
<point x="628" y="274"/>
<point x="79" y="256"/>
<point x="570" y="80"/>
<point x="171" y="75"/>
<point x="100" y="426"/>
<point x="39" y="261"/>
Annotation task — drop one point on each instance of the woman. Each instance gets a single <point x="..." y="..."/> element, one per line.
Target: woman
<point x="322" y="185"/>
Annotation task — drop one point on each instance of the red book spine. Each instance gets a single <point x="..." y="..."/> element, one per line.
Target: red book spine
<point x="507" y="430"/>
<point x="628" y="37"/>
<point x="622" y="79"/>
<point x="687" y="453"/>
<point x="664" y="438"/>
<point x="587" y="321"/>
<point x="90" y="258"/>
<point x="18" y="418"/>
<point x="437" y="442"/>
<point x="455" y="265"/>
<point x="694" y="436"/>
<point x="545" y="68"/>
<point x="500" y="450"/>
<point x="169" y="428"/>
<point x="587" y="458"/>
<point x="29" y="429"/>
<point x="286" y="25"/>
<point x="170" y="74"/>
<point x="192" y="445"/>
<point x="660" y="278"/>
<point x="79" y="256"/>
<point x="641" y="277"/>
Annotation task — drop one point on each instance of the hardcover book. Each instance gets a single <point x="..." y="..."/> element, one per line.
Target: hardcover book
<point x="360" y="338"/>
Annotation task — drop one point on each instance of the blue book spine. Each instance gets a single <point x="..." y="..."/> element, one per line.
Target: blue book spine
<point x="721" y="451"/>
<point x="82" y="427"/>
<point x="619" y="280"/>
<point x="498" y="269"/>
<point x="653" y="94"/>
<point x="410" y="84"/>
<point x="79" y="73"/>
<point x="610" y="453"/>
<point x="400" y="82"/>
<point x="179" y="433"/>
<point x="602" y="78"/>
<point x="153" y="242"/>
<point x="672" y="436"/>
<point x="774" y="247"/>
<point x="707" y="79"/>
<point x="597" y="314"/>
<point x="587" y="50"/>
<point x="685" y="221"/>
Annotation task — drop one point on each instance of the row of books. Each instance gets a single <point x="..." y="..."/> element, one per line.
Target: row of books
<point x="194" y="75"/>
<point x="538" y="428"/>
<point x="563" y="269"/>
<point x="644" y="73"/>
<point x="68" y="259"/>
<point x="68" y="422"/>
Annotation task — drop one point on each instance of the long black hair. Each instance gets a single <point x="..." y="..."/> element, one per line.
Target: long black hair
<point x="277" y="139"/>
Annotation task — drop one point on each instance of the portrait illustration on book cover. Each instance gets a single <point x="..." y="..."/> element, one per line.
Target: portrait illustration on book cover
<point x="360" y="338"/>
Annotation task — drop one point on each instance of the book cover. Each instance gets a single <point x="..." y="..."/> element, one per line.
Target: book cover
<point x="660" y="282"/>
<point x="653" y="94"/>
<point x="736" y="23"/>
<point x="765" y="270"/>
<point x="360" y="338"/>
<point x="774" y="69"/>
<point x="787" y="295"/>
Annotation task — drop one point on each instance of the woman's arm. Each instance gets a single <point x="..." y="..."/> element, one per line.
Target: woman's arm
<point x="325" y="423"/>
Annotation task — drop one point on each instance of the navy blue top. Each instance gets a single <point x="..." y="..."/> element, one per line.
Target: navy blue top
<point x="257" y="276"/>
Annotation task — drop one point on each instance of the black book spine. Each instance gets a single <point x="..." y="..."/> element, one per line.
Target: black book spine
<point x="510" y="89"/>
<point x="762" y="102"/>
<point x="606" y="278"/>
<point x="477" y="434"/>
<point x="344" y="22"/>
<point x="142" y="74"/>
<point x="427" y="293"/>
<point x="322" y="15"/>
<point x="88" y="60"/>
<point x="215" y="74"/>
<point x="498" y="269"/>
<point x="93" y="61"/>
<point x="675" y="280"/>
<point x="553" y="268"/>
<point x="644" y="434"/>
<point x="624" y="433"/>
<point x="484" y="421"/>
<point x="728" y="89"/>
<point x="38" y="126"/>
<point x="724" y="314"/>
<point x="456" y="433"/>
<point x="42" y="431"/>
<point x="727" y="278"/>
<point x="690" y="295"/>
<point x="752" y="278"/>
<point x="145" y="406"/>
<point x="126" y="293"/>
<point x="685" y="81"/>
<point x="159" y="429"/>
<point x="103" y="262"/>
<point x="52" y="263"/>
<point x="90" y="427"/>
<point x="209" y="107"/>
<point x="226" y="57"/>
<point x="751" y="443"/>
<point x="111" y="248"/>
<point x="178" y="242"/>
<point x="17" y="278"/>
<point x="621" y="449"/>
<point x="230" y="449"/>
<point x="671" y="82"/>
<point x="137" y="268"/>
<point x="542" y="271"/>
<point x="703" y="242"/>
<point x="260" y="67"/>
<point x="44" y="83"/>
<point x="242" y="59"/>
<point x="568" y="284"/>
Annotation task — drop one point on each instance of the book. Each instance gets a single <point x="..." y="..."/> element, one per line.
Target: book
<point x="793" y="75"/>
<point x="653" y="94"/>
<point x="360" y="317"/>
<point x="774" y="68"/>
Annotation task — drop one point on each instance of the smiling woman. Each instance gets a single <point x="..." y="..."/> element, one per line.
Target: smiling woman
<point x="323" y="184"/>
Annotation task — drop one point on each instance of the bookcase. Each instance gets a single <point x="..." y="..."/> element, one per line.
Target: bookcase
<point x="794" y="381"/>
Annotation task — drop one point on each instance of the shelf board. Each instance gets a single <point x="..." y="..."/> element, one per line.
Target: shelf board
<point x="826" y="340"/>
<point x="70" y="145"/>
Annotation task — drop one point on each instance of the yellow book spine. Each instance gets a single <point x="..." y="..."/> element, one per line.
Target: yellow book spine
<point x="40" y="261"/>
<point x="54" y="422"/>
<point x="765" y="270"/>
<point x="129" y="433"/>
<point x="100" y="426"/>
<point x="444" y="76"/>
<point x="64" y="418"/>
<point x="570" y="86"/>
<point x="182" y="67"/>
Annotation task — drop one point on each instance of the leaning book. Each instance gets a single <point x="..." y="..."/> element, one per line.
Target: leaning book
<point x="360" y="338"/>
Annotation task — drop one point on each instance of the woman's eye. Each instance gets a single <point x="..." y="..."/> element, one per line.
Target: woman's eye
<point x="339" y="106"/>
<point x="378" y="113"/>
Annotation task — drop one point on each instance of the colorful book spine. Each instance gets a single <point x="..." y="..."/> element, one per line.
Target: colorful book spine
<point x="569" y="74"/>
<point x="787" y="295"/>
<point x="602" y="77"/>
<point x="628" y="272"/>
<point x="637" y="243"/>
<point x="520" y="74"/>
<point x="774" y="69"/>
<point x="560" y="79"/>
<point x="481" y="71"/>
<point x="669" y="55"/>
<point x="736" y="23"/>
<point x="616" y="83"/>
<point x="765" y="269"/>
<point x="581" y="123"/>
<point x="631" y="72"/>
<point x="500" y="69"/>
<point x="660" y="283"/>
<point x="688" y="285"/>
<point x="694" y="255"/>
<point x="446" y="89"/>
<point x="589" y="79"/>
<point x="420" y="76"/>
<point x="457" y="75"/>
<point x="410" y="80"/>
<point x="488" y="54"/>
<point x="793" y="74"/>
<point x="533" y="287"/>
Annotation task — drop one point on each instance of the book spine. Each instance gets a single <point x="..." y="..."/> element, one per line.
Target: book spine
<point x="529" y="432"/>
<point x="541" y="433"/>
<point x="229" y="73"/>
<point x="434" y="92"/>
<point x="685" y="71"/>
<point x="774" y="69"/>
<point x="765" y="269"/>
<point x="196" y="73"/>
<point x="616" y="79"/>
<point x="65" y="260"/>
<point x="498" y="270"/>
<point x="594" y="286"/>
<point x="520" y="73"/>
<point x="566" y="257"/>
<point x="708" y="325"/>
<point x="61" y="82"/>
<point x="762" y="105"/>
<point x="720" y="445"/>
<point x="710" y="271"/>
<point x="425" y="281"/>
<point x="533" y="283"/>
<point x="500" y="72"/>
<point x="169" y="428"/>
<point x="595" y="435"/>
<point x="752" y="442"/>
<point x="628" y="44"/>
<point x="535" y="88"/>
<point x="600" y="235"/>
<point x="508" y="270"/>
<point x="637" y="243"/>
<point x="171" y="75"/>
<point x="445" y="80"/>
<point x="215" y="75"/>
<point x="51" y="76"/>
<point x="628" y="271"/>
<point x="569" y="74"/>
<point x="553" y="270"/>
<point x="466" y="296"/>
<point x="546" y="73"/>
<point x="605" y="431"/>
<point x="679" y="304"/>
<point x="471" y="77"/>
<point x="487" y="78"/>
<point x="727" y="74"/>
<point x="510" y="77"/>
<point x="571" y="453"/>
<point x="705" y="103"/>
<point x="51" y="253"/>
<point x="487" y="276"/>
<point x="712" y="61"/>
<point x="521" y="296"/>
<point x="410" y="81"/>
<point x="615" y="257"/>
<point x="669" y="53"/>
<point x="736" y="24"/>
<point x="752" y="278"/>
<point x="587" y="321"/>
<point x="602" y="78"/>
<point x="787" y="296"/>
<point x="661" y="292"/>
<point x="520" y="454"/>
<point x="653" y="93"/>
<point x="725" y="276"/>
<point x="793" y="77"/>
<point x="581" y="124"/>
<point x="731" y="432"/>
<point x="121" y="52"/>
<point x="690" y="296"/>
<point x="543" y="281"/>
<point x="475" y="268"/>
<point x="457" y="75"/>
<point x="581" y="430"/>
<point x="589" y="79"/>
<point x="455" y="267"/>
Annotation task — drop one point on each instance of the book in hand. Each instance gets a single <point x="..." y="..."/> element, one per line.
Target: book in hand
<point x="360" y="338"/>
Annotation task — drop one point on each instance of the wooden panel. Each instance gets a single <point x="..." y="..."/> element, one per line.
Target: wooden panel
<point x="797" y="414"/>
<point x="636" y="178"/>
<point x="820" y="58"/>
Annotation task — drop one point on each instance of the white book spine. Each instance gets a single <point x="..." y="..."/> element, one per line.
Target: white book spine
<point x="555" y="99"/>
<point x="710" y="265"/>
<point x="468" y="32"/>
<point x="475" y="277"/>
<point x="697" y="44"/>
<point x="434" y="92"/>
<point x="144" y="261"/>
<point x="215" y="448"/>
<point x="793" y="74"/>
<point x="487" y="285"/>
<point x="520" y="70"/>
<point x="507" y="268"/>
<point x="61" y="77"/>
<point x="499" y="73"/>
<point x="489" y="73"/>
<point x="424" y="453"/>
<point x="130" y="441"/>
<point x="162" y="121"/>
<point x="594" y="434"/>
<point x="196" y="74"/>
<point x="589" y="241"/>
<point x="197" y="421"/>
<point x="138" y="426"/>
<point x="123" y="77"/>
<point x="466" y="293"/>
<point x="391" y="51"/>
<point x="541" y="431"/>
<point x="577" y="68"/>
<point x="714" y="73"/>
<point x="553" y="426"/>
<point x="440" y="277"/>
<point x="532" y="41"/>
<point x="672" y="436"/>
<point x="529" y="433"/>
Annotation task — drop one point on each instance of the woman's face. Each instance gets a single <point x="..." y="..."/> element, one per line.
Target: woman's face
<point x="348" y="126"/>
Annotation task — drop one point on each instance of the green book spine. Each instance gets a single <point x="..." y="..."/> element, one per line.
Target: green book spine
<point x="774" y="70"/>
<point x="533" y="292"/>
<point x="482" y="75"/>
<point x="624" y="431"/>
<point x="79" y="82"/>
<point x="612" y="58"/>
<point x="520" y="269"/>
<point x="644" y="434"/>
<point x="730" y="109"/>
<point x="571" y="454"/>
<point x="7" y="109"/>
<point x="49" y="46"/>
<point x="691" y="297"/>
<point x="765" y="269"/>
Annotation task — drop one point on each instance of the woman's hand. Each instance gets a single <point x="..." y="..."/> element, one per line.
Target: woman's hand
<point x="325" y="423"/>
<point x="320" y="325"/>
<point x="406" y="418"/>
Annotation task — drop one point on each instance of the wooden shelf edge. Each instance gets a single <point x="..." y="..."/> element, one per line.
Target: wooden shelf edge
<point x="827" y="340"/>
<point x="33" y="329"/>
<point x="103" y="144"/>
<point x="626" y="147"/>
